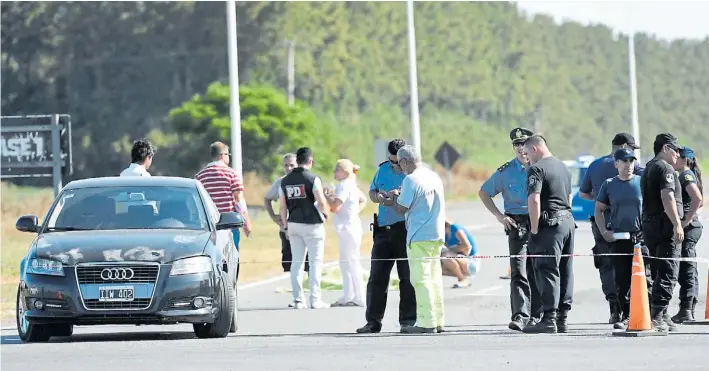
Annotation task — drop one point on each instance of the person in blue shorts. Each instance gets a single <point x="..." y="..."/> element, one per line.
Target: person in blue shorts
<point x="461" y="246"/>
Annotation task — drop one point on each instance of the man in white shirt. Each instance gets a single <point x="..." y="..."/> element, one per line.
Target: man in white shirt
<point x="141" y="158"/>
<point x="422" y="200"/>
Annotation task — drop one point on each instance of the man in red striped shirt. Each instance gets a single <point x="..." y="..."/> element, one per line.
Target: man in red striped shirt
<point x="224" y="185"/>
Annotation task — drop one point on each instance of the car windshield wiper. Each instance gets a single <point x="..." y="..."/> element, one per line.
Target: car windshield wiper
<point x="63" y="229"/>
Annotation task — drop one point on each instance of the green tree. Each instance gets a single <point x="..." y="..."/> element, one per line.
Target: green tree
<point x="269" y="126"/>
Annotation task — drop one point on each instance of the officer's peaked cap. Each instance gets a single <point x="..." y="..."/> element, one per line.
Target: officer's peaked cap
<point x="520" y="134"/>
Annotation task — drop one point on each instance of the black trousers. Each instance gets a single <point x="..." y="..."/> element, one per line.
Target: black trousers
<point x="287" y="256"/>
<point x="661" y="243"/>
<point x="525" y="299"/>
<point x="688" y="277"/>
<point x="623" y="266"/>
<point x="389" y="243"/>
<point x="604" y="264"/>
<point x="554" y="275"/>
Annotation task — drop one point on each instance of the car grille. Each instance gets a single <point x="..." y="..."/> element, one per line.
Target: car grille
<point x="92" y="274"/>
<point x="142" y="274"/>
<point x="135" y="304"/>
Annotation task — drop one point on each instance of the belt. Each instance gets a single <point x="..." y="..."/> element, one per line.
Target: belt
<point x="518" y="216"/>
<point x="558" y="213"/>
<point x="390" y="226"/>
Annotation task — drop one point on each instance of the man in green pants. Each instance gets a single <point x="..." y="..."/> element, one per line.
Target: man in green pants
<point x="421" y="199"/>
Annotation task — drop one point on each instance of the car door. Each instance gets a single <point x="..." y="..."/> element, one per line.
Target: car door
<point x="224" y="238"/>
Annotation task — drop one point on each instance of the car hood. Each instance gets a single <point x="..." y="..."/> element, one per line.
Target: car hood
<point x="120" y="245"/>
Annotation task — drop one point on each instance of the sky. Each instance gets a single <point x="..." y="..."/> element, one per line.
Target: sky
<point x="666" y="19"/>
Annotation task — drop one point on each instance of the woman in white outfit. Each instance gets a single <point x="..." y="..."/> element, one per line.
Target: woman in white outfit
<point x="346" y="203"/>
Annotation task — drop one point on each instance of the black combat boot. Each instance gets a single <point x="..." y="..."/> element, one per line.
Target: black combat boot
<point x="561" y="322"/>
<point x="684" y="314"/>
<point x="615" y="312"/>
<point x="658" y="323"/>
<point x="694" y="306"/>
<point x="671" y="326"/>
<point x="546" y="326"/>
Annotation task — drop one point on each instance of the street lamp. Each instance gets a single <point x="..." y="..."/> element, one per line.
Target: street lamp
<point x="235" y="109"/>
<point x="415" y="129"/>
<point x="633" y="90"/>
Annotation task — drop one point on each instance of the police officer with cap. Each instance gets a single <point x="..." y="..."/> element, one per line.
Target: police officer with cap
<point x="510" y="179"/>
<point x="690" y="178"/>
<point x="662" y="224"/>
<point x="598" y="171"/>
<point x="389" y="235"/>
<point x="552" y="230"/>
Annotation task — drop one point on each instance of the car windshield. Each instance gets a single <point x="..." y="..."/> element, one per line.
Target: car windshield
<point x="109" y="208"/>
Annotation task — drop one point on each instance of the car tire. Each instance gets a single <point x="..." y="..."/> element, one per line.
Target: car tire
<point x="222" y="323"/>
<point x="28" y="332"/>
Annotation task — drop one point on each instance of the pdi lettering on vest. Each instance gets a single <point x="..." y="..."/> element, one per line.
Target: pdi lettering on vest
<point x="295" y="191"/>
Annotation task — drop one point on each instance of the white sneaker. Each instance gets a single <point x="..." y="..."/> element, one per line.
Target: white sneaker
<point x="319" y="305"/>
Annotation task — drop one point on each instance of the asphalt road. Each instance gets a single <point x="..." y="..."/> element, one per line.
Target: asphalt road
<point x="274" y="337"/>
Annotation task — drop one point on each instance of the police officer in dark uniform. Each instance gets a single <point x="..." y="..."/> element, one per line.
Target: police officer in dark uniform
<point x="510" y="179"/>
<point x="690" y="179"/>
<point x="389" y="234"/>
<point x="599" y="171"/>
<point x="552" y="230"/>
<point x="662" y="224"/>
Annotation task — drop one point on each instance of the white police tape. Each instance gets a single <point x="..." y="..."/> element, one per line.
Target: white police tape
<point x="484" y="257"/>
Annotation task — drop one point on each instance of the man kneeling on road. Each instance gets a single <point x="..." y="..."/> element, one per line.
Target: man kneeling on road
<point x="423" y="202"/>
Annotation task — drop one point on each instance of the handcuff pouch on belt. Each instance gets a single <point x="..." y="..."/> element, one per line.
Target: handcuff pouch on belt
<point x="374" y="225"/>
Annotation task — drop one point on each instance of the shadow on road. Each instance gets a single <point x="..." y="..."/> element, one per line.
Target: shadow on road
<point x="121" y="336"/>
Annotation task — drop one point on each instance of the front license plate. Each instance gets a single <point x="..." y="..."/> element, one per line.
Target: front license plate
<point x="115" y="293"/>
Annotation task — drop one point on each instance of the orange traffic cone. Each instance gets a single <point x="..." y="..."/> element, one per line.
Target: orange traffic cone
<point x="705" y="321"/>
<point x="639" y="323"/>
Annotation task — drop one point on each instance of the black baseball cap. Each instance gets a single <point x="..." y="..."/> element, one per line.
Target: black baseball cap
<point x="624" y="138"/>
<point x="668" y="139"/>
<point x="624" y="154"/>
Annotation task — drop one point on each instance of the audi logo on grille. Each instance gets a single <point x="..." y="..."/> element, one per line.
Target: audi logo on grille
<point x="109" y="274"/>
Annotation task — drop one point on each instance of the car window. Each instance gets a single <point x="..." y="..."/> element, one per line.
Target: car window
<point x="111" y="208"/>
<point x="212" y="210"/>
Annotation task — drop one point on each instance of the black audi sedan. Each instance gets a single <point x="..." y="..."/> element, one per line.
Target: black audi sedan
<point x="129" y="250"/>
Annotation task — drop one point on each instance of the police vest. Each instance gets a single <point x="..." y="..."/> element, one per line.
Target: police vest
<point x="297" y="188"/>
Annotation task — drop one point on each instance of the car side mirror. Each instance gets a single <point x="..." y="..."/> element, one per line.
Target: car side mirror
<point x="27" y="223"/>
<point x="230" y="220"/>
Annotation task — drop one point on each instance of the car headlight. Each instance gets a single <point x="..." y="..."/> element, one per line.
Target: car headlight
<point x="197" y="264"/>
<point x="46" y="267"/>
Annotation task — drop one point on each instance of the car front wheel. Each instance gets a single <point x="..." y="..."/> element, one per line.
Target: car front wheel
<point x="28" y="332"/>
<point x="222" y="323"/>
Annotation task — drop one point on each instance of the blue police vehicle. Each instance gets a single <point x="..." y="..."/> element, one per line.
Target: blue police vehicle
<point x="580" y="208"/>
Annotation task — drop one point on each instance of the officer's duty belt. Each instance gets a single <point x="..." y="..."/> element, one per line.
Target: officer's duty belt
<point x="390" y="227"/>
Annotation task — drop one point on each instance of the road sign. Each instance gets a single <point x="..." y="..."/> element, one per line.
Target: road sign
<point x="447" y="155"/>
<point x="37" y="146"/>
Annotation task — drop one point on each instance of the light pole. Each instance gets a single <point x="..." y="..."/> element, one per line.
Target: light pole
<point x="234" y="108"/>
<point x="415" y="129"/>
<point x="633" y="90"/>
